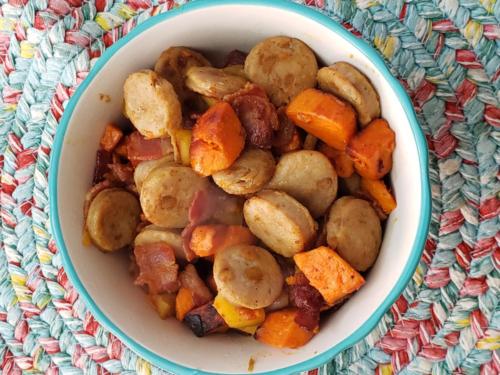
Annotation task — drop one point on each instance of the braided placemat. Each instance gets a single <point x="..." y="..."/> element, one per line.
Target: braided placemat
<point x="445" y="52"/>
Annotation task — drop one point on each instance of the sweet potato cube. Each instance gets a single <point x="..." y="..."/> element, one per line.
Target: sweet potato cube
<point x="111" y="137"/>
<point x="371" y="150"/>
<point x="377" y="190"/>
<point x="282" y="331"/>
<point x="217" y="140"/>
<point x="324" y="116"/>
<point x="331" y="275"/>
<point x="184" y="303"/>
<point x="206" y="240"/>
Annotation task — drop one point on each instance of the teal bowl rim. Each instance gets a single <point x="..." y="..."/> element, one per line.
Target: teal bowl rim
<point x="418" y="135"/>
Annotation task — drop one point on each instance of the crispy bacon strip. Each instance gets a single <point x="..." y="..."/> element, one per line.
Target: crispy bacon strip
<point x="123" y="173"/>
<point x="189" y="279"/>
<point x="102" y="160"/>
<point x="256" y="113"/>
<point x="308" y="301"/>
<point x="140" y="149"/>
<point x="157" y="268"/>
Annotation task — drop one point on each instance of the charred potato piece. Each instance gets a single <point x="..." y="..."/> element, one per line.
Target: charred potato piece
<point x="283" y="66"/>
<point x="143" y="169"/>
<point x="153" y="234"/>
<point x="112" y="218"/>
<point x="151" y="104"/>
<point x="173" y="64"/>
<point x="280" y="221"/>
<point x="213" y="82"/>
<point x="248" y="174"/>
<point x="167" y="193"/>
<point x="247" y="276"/>
<point x="205" y="320"/>
<point x="309" y="177"/>
<point x="354" y="231"/>
<point x="348" y="83"/>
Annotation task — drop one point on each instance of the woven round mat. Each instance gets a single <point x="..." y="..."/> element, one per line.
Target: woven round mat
<point x="445" y="52"/>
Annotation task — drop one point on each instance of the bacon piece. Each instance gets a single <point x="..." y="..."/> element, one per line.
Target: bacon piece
<point x="308" y="319"/>
<point x="305" y="297"/>
<point x="122" y="172"/>
<point x="157" y="268"/>
<point x="205" y="320"/>
<point x="256" y="113"/>
<point x="309" y="303"/>
<point x="286" y="132"/>
<point x="140" y="148"/>
<point x="102" y="161"/>
<point x="235" y="57"/>
<point x="190" y="280"/>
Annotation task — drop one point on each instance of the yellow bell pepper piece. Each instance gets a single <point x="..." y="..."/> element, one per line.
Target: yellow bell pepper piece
<point x="183" y="140"/>
<point x="239" y="317"/>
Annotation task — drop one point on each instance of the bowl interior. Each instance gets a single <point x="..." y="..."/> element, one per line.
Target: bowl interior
<point x="104" y="279"/>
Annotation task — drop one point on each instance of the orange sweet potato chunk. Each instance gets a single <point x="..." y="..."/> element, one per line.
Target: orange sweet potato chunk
<point x="281" y="331"/>
<point x="377" y="190"/>
<point x="206" y="240"/>
<point x="184" y="303"/>
<point x="111" y="137"/>
<point x="324" y="116"/>
<point x="331" y="275"/>
<point x="371" y="150"/>
<point x="217" y="140"/>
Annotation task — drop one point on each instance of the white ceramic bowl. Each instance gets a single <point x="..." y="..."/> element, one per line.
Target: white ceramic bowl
<point x="103" y="280"/>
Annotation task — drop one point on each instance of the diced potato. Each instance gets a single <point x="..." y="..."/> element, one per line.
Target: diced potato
<point x="282" y="331"/>
<point x="331" y="275"/>
<point x="164" y="304"/>
<point x="237" y="316"/>
<point x="371" y="150"/>
<point x="324" y="116"/>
